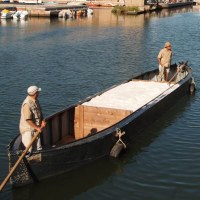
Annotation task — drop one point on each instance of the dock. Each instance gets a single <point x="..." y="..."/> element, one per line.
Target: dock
<point x="44" y="10"/>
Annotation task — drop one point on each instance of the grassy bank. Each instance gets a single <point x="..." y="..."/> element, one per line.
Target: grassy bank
<point x="125" y="9"/>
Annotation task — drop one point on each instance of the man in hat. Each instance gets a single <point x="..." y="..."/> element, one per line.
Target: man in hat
<point x="31" y="120"/>
<point x="164" y="60"/>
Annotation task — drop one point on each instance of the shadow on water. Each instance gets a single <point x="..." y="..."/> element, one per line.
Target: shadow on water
<point x="71" y="184"/>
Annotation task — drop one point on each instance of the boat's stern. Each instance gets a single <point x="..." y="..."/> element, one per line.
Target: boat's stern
<point x="21" y="175"/>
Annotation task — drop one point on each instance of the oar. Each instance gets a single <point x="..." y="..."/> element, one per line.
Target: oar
<point x="18" y="161"/>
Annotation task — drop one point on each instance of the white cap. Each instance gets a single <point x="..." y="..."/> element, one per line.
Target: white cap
<point x="168" y="44"/>
<point x="33" y="89"/>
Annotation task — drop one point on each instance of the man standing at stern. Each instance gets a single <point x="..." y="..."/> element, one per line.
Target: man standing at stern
<point x="164" y="60"/>
<point x="31" y="120"/>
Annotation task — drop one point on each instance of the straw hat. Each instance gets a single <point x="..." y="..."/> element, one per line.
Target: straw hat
<point x="168" y="44"/>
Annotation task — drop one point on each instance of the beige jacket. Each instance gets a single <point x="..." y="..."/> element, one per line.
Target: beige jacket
<point x="165" y="57"/>
<point x="30" y="110"/>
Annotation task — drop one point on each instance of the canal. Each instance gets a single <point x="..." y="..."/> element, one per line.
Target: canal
<point x="73" y="59"/>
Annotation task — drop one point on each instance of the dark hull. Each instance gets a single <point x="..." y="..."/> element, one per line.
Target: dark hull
<point x="67" y="157"/>
<point x="175" y="5"/>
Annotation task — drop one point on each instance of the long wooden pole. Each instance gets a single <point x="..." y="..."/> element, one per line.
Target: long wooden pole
<point x="18" y="161"/>
<point x="173" y="77"/>
<point x="179" y="69"/>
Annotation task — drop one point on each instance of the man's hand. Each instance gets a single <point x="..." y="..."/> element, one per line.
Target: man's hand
<point x="43" y="124"/>
<point x="39" y="129"/>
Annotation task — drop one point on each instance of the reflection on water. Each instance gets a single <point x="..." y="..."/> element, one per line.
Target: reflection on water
<point x="101" y="17"/>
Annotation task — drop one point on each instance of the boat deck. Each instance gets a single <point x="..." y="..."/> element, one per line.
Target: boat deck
<point x="129" y="96"/>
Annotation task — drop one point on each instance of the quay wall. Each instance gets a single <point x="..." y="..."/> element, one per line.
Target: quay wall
<point x="42" y="10"/>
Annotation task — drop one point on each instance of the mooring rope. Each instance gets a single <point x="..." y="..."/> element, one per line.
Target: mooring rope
<point x="120" y="134"/>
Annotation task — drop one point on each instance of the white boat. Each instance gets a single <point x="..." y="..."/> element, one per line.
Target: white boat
<point x="20" y="14"/>
<point x="65" y="14"/>
<point x="24" y="14"/>
<point x="17" y="15"/>
<point x="90" y="11"/>
<point x="6" y="14"/>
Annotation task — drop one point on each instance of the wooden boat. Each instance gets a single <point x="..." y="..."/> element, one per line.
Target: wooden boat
<point x="100" y="125"/>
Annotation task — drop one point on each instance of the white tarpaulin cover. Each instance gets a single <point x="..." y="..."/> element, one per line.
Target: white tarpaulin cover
<point x="129" y="96"/>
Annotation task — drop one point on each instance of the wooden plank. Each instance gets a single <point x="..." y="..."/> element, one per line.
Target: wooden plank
<point x="94" y="126"/>
<point x="46" y="134"/>
<point x="99" y="120"/>
<point x="101" y="124"/>
<point x="55" y="129"/>
<point x="81" y="120"/>
<point x="101" y="117"/>
<point x="110" y="111"/>
<point x="90" y="119"/>
<point x="71" y="116"/>
<point x="78" y="121"/>
<point x="65" y="123"/>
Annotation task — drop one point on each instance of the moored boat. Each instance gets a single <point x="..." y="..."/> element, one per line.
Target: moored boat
<point x="90" y="11"/>
<point x="21" y="14"/>
<point x="66" y="14"/>
<point x="6" y="14"/>
<point x="95" y="127"/>
<point x="175" y="4"/>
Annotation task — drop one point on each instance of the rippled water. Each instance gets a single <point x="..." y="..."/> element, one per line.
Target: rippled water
<point x="73" y="59"/>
